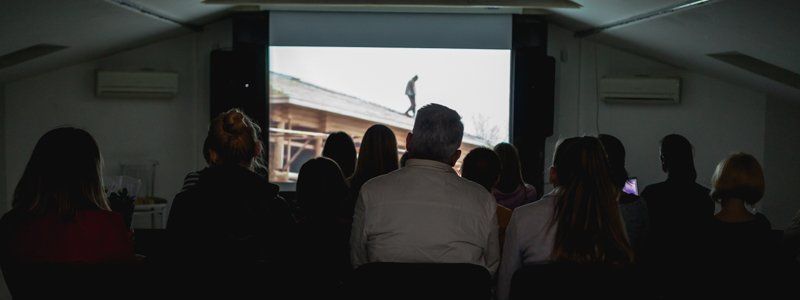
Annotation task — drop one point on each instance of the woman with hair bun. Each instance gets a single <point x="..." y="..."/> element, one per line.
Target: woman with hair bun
<point x="231" y="213"/>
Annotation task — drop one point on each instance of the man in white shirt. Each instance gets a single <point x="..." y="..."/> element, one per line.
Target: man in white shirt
<point x="425" y="212"/>
<point x="411" y="92"/>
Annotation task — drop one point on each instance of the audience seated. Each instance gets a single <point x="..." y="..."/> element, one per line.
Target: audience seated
<point x="579" y="222"/>
<point x="376" y="156"/>
<point x="511" y="190"/>
<point x="482" y="166"/>
<point x="231" y="211"/>
<point x="322" y="237"/>
<point x="632" y="208"/>
<point x="418" y="232"/>
<point x="60" y="220"/>
<point x="425" y="212"/>
<point x="679" y="208"/>
<point x="340" y="148"/>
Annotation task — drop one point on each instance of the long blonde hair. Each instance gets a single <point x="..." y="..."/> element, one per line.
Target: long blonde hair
<point x="588" y="224"/>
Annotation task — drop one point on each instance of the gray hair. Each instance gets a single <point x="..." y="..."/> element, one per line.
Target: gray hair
<point x="437" y="133"/>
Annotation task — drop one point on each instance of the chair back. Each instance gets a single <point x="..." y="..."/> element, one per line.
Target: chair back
<point x="419" y="281"/>
<point x="72" y="280"/>
<point x="574" y="281"/>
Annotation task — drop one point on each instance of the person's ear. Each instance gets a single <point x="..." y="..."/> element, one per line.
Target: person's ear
<point x="454" y="158"/>
<point x="409" y="138"/>
<point x="213" y="157"/>
<point x="553" y="177"/>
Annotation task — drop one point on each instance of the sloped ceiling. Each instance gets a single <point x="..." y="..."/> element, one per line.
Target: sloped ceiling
<point x="89" y="28"/>
<point x="768" y="30"/>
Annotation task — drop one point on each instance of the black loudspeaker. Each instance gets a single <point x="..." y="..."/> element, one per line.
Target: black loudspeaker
<point x="239" y="77"/>
<point x="533" y="94"/>
<point x="238" y="81"/>
<point x="533" y="98"/>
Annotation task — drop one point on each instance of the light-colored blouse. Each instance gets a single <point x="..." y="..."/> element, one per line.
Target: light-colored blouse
<point x="529" y="240"/>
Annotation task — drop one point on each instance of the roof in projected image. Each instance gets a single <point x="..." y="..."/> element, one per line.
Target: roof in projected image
<point x="291" y="90"/>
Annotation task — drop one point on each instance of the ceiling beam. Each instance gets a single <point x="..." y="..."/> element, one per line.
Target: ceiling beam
<point x="644" y="17"/>
<point x="526" y="4"/>
<point x="138" y="8"/>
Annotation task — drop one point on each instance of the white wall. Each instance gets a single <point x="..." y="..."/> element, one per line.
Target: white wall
<point x="716" y="116"/>
<point x="127" y="130"/>
<point x="782" y="162"/>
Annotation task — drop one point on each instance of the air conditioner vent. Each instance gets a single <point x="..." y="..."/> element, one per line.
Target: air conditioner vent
<point x="142" y="84"/>
<point x="640" y="90"/>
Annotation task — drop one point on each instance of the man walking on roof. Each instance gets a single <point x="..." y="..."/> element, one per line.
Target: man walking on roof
<point x="411" y="92"/>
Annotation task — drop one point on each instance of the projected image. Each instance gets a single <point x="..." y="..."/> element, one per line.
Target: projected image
<point x="318" y="90"/>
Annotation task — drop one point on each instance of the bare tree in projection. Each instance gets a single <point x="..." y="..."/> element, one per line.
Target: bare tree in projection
<point x="488" y="134"/>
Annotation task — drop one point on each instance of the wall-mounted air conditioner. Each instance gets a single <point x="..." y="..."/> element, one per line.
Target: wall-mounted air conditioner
<point x="136" y="84"/>
<point x="645" y="90"/>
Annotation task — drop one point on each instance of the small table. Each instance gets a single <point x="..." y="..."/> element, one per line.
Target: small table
<point x="154" y="210"/>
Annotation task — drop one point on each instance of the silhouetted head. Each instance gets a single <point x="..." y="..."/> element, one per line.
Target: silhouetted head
<point x="340" y="148"/>
<point x="436" y="135"/>
<point x="560" y="159"/>
<point x="738" y="176"/>
<point x="377" y="155"/>
<point x="415" y="77"/>
<point x="321" y="188"/>
<point x="616" y="158"/>
<point x="587" y="220"/>
<point x="677" y="158"/>
<point x="481" y="165"/>
<point x="233" y="139"/>
<point x="64" y="174"/>
<point x="511" y="169"/>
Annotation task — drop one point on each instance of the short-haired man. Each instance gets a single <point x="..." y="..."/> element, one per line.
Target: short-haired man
<point x="425" y="212"/>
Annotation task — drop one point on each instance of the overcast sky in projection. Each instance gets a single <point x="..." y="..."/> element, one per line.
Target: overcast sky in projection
<point x="474" y="82"/>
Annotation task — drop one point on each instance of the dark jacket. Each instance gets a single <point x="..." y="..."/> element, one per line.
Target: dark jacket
<point x="637" y="222"/>
<point x="679" y="211"/>
<point x="749" y="243"/>
<point x="230" y="215"/>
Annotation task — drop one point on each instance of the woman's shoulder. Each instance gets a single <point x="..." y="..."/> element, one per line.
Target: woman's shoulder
<point x="542" y="207"/>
